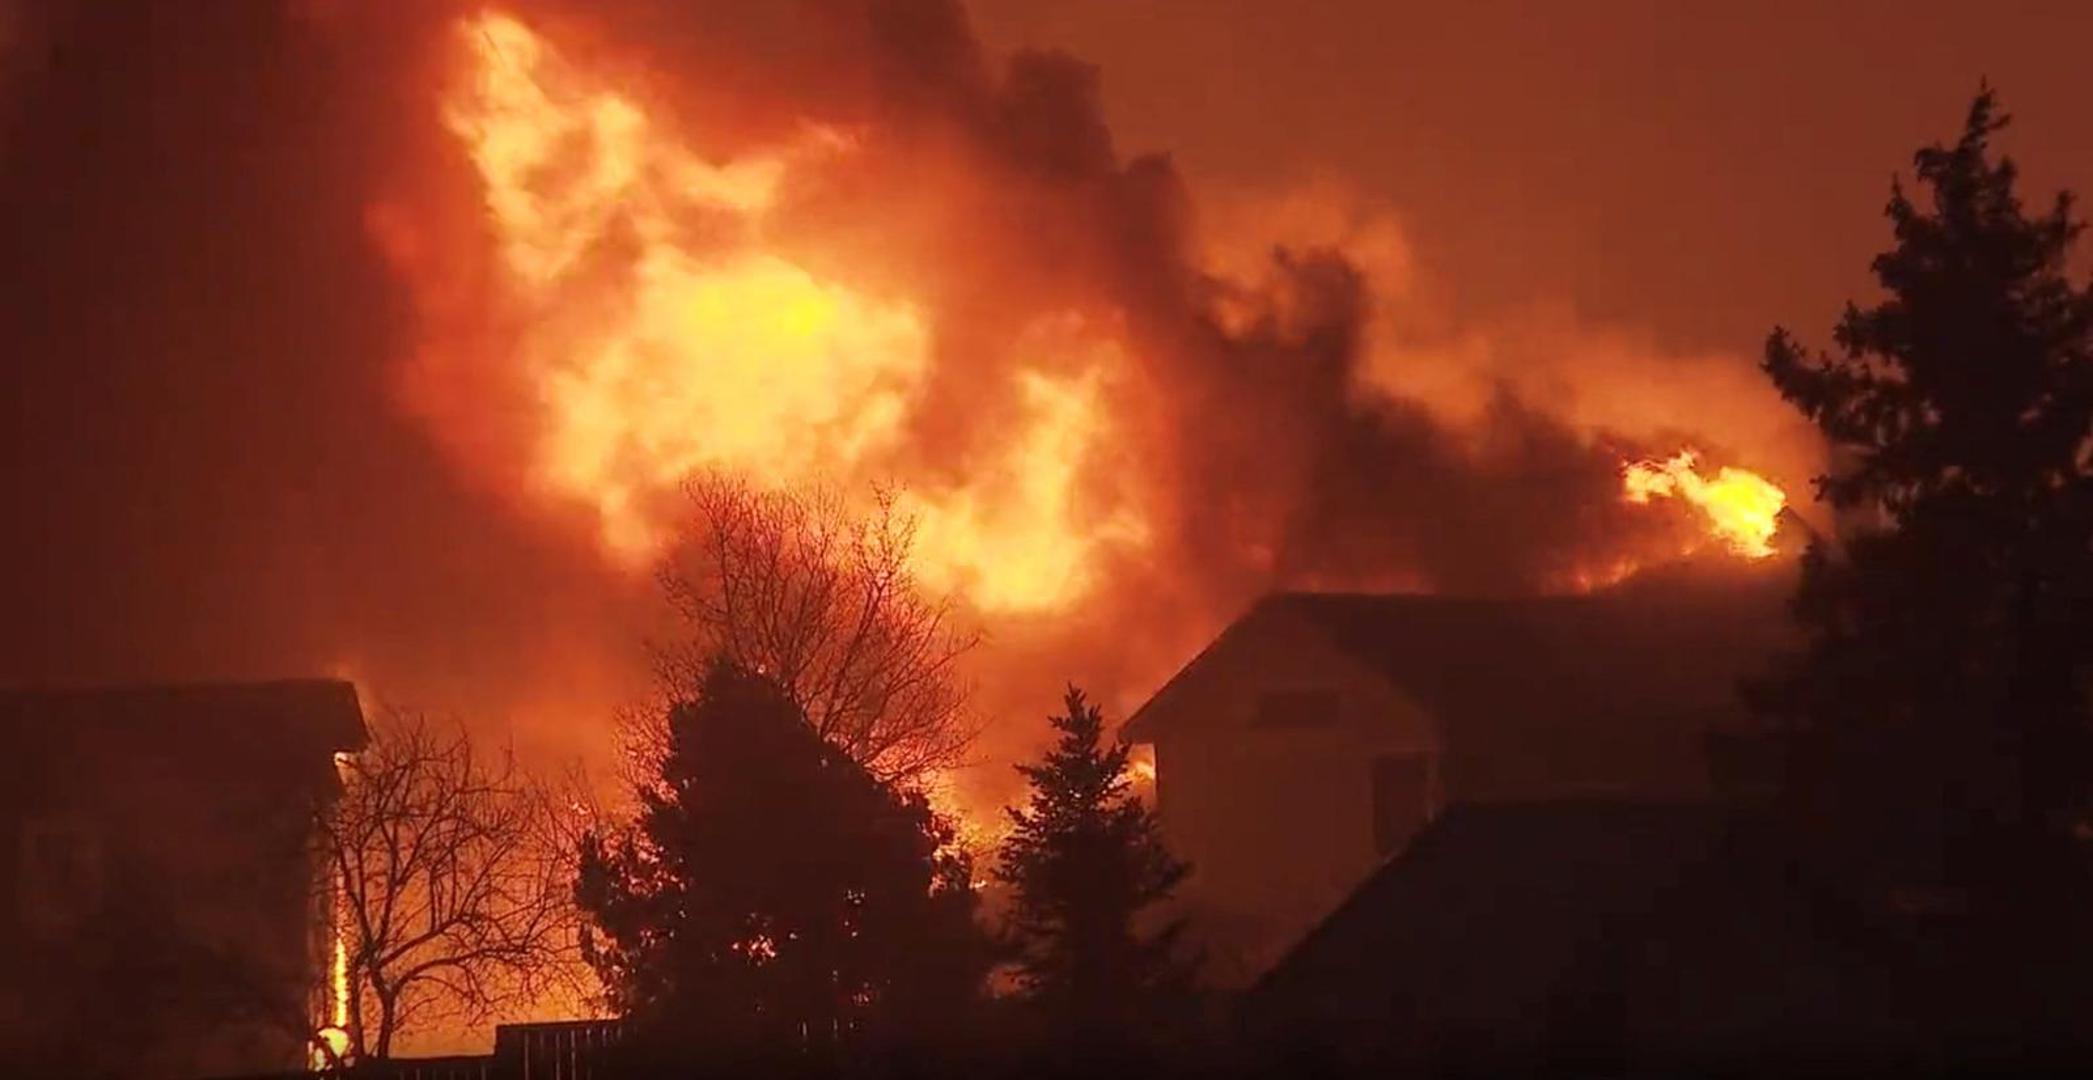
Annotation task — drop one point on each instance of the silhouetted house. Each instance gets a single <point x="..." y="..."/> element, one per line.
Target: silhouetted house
<point x="158" y="913"/>
<point x="1589" y="933"/>
<point x="1319" y="732"/>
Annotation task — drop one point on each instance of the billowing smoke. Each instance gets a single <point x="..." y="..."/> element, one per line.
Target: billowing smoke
<point x="380" y="335"/>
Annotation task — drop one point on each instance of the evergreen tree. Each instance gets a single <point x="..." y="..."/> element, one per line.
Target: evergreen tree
<point x="1937" y="718"/>
<point x="1085" y="861"/>
<point x="774" y="897"/>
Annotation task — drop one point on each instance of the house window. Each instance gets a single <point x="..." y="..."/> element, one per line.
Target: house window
<point x="1401" y="799"/>
<point x="1295" y="709"/>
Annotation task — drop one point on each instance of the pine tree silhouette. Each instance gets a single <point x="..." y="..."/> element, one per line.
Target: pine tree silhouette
<point x="1086" y="860"/>
<point x="1936" y="723"/>
<point x="776" y="899"/>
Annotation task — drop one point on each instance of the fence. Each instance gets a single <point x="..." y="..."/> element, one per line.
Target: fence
<point x="559" y="1050"/>
<point x="563" y="1050"/>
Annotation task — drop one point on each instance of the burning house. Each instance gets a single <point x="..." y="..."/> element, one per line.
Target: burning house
<point x="159" y="916"/>
<point x="1320" y="732"/>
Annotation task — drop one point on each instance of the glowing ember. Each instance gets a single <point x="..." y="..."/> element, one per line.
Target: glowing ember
<point x="1742" y="507"/>
<point x="662" y="332"/>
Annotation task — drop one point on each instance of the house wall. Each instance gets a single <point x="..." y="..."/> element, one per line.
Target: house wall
<point x="1278" y="822"/>
<point x="156" y="906"/>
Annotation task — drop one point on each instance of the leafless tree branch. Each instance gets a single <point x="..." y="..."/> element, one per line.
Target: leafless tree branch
<point x="451" y="881"/>
<point x="822" y="600"/>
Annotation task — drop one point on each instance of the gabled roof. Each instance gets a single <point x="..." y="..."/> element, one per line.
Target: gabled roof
<point x="1514" y="919"/>
<point x="1547" y="678"/>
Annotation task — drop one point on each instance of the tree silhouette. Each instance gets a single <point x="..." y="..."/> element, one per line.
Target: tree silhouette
<point x="1085" y="860"/>
<point x="446" y="877"/>
<point x="773" y="896"/>
<point x="1937" y="719"/>
<point x="823" y="602"/>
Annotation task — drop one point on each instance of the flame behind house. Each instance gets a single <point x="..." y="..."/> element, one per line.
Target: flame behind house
<point x="1742" y="508"/>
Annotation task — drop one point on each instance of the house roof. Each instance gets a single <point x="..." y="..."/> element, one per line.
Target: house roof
<point x="1554" y="683"/>
<point x="307" y="716"/>
<point x="1488" y="887"/>
<point x="1672" y="920"/>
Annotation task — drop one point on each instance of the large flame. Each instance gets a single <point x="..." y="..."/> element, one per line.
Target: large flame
<point x="662" y="333"/>
<point x="1742" y="508"/>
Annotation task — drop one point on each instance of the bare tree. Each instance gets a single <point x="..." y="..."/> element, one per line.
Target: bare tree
<point x="795" y="586"/>
<point x="450" y="882"/>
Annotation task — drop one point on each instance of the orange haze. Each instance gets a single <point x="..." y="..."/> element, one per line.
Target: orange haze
<point x="373" y="338"/>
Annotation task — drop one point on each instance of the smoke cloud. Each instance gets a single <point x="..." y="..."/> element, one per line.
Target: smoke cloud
<point x="279" y="413"/>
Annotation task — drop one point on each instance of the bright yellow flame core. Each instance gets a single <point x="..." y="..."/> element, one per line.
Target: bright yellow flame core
<point x="335" y="1035"/>
<point x="1742" y="508"/>
<point x="662" y="336"/>
<point x="754" y="366"/>
<point x="332" y="1039"/>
